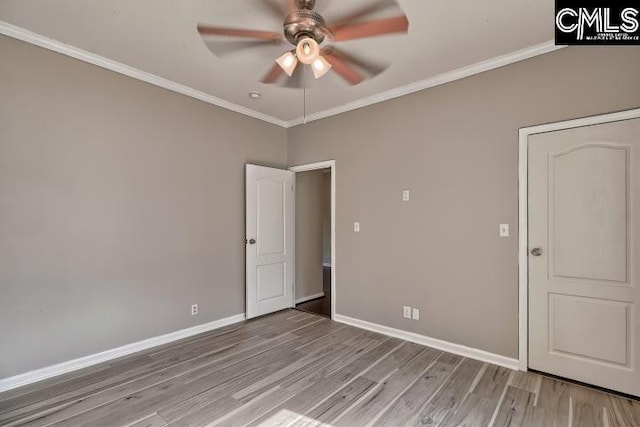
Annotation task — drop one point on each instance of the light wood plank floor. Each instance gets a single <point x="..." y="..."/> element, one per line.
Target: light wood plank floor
<point x="297" y="369"/>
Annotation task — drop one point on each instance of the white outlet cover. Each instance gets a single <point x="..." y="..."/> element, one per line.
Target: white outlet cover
<point x="504" y="230"/>
<point x="356" y="227"/>
<point x="415" y="314"/>
<point x="405" y="195"/>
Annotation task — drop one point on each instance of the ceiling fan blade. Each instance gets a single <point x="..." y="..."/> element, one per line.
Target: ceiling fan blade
<point x="399" y="24"/>
<point x="370" y="67"/>
<point x="363" y="12"/>
<point x="225" y="48"/>
<point x="345" y="70"/>
<point x="274" y="73"/>
<point x="206" y="30"/>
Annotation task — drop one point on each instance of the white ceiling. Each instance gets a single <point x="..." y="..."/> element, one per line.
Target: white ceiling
<point x="159" y="37"/>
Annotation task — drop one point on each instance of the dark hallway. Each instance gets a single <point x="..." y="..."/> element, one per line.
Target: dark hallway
<point x="320" y="305"/>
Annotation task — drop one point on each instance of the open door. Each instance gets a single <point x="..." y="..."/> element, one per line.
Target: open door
<point x="269" y="239"/>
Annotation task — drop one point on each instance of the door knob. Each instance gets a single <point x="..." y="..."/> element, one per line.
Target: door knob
<point x="251" y="241"/>
<point x="536" y="251"/>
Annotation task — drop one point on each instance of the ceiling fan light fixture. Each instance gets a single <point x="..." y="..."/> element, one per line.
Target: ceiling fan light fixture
<point x="288" y="63"/>
<point x="307" y="50"/>
<point x="320" y="67"/>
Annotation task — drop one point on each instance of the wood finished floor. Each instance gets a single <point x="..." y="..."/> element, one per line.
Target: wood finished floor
<point x="297" y="369"/>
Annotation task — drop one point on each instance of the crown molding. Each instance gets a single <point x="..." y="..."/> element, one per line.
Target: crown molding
<point x="440" y="79"/>
<point x="25" y="35"/>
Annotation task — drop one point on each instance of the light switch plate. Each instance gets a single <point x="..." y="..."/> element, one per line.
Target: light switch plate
<point x="406" y="312"/>
<point x="356" y="227"/>
<point x="504" y="230"/>
<point x="415" y="314"/>
<point x="405" y="195"/>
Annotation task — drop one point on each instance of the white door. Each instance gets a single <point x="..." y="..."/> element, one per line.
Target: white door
<point x="584" y="243"/>
<point x="269" y="239"/>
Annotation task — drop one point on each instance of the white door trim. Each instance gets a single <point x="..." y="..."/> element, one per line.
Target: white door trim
<point x="523" y="198"/>
<point x="310" y="167"/>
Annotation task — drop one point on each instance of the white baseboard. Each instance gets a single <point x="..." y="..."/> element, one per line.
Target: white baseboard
<point x="93" y="359"/>
<point x="309" y="298"/>
<point x="461" y="350"/>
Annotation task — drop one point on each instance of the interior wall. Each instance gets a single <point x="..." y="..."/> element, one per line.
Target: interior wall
<point x="121" y="204"/>
<point x="455" y="147"/>
<point x="309" y="216"/>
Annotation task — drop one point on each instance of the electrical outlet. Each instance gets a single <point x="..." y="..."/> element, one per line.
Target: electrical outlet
<point x="356" y="227"/>
<point x="405" y="195"/>
<point x="504" y="230"/>
<point x="406" y="312"/>
<point x="194" y="309"/>
<point x="415" y="314"/>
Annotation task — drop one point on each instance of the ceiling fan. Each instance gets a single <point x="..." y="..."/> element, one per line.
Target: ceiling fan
<point x="307" y="30"/>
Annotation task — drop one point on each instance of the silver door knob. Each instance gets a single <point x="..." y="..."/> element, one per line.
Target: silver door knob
<point x="251" y="241"/>
<point x="536" y="251"/>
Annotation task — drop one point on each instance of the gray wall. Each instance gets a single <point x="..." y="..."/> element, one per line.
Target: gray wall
<point x="456" y="148"/>
<point x="309" y="214"/>
<point x="121" y="204"/>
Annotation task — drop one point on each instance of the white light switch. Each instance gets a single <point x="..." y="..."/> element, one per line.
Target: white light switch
<point x="415" y="314"/>
<point x="406" y="312"/>
<point x="504" y="230"/>
<point x="356" y="227"/>
<point x="405" y="195"/>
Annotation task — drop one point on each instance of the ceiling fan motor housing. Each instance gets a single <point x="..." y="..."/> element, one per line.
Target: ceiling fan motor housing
<point x="305" y="23"/>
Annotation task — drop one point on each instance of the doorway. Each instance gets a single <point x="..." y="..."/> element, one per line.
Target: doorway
<point x="314" y="265"/>
<point x="580" y="185"/>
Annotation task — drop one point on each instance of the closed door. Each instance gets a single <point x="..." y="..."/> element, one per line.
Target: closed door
<point x="584" y="241"/>
<point x="269" y="239"/>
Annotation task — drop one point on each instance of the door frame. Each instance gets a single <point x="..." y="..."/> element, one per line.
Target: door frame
<point x="523" y="202"/>
<point x="310" y="167"/>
